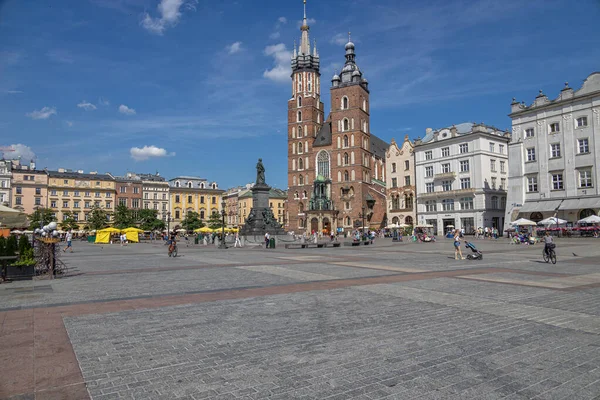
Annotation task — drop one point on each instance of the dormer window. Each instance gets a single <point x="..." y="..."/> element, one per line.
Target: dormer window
<point x="177" y="184"/>
<point x="214" y="185"/>
<point x="202" y="185"/>
<point x="189" y="185"/>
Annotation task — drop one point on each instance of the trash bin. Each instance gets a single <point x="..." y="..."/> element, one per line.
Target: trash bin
<point x="91" y="239"/>
<point x="272" y="243"/>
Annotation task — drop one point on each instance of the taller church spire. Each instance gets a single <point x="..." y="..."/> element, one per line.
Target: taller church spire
<point x="304" y="58"/>
<point x="305" y="41"/>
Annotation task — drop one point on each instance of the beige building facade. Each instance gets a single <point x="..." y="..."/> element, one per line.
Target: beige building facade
<point x="29" y="188"/>
<point x="400" y="183"/>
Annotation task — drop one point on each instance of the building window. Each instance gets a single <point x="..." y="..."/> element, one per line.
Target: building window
<point x="503" y="184"/>
<point x="463" y="148"/>
<point x="190" y="199"/>
<point x="177" y="199"/>
<point x="446" y="186"/>
<point x="492" y="147"/>
<point x="529" y="133"/>
<point x="466" y="203"/>
<point x="554" y="127"/>
<point x="502" y="167"/>
<point x="123" y="189"/>
<point x="345" y="140"/>
<point x="445" y="168"/>
<point x="346" y="159"/>
<point x="406" y="165"/>
<point x="300" y="164"/>
<point x="52" y="192"/>
<point x="502" y="203"/>
<point x="501" y="148"/>
<point x="446" y="152"/>
<point x="52" y="203"/>
<point x="494" y="179"/>
<point x="428" y="172"/>
<point x="300" y="180"/>
<point x="407" y="181"/>
<point x="87" y="204"/>
<point x="465" y="183"/>
<point x="429" y="155"/>
<point x="300" y="148"/>
<point x="108" y="204"/>
<point x="585" y="178"/>
<point x="38" y="201"/>
<point x="584" y="146"/>
<point x="136" y="190"/>
<point x="531" y="154"/>
<point x="532" y="184"/>
<point x="65" y="204"/>
<point x="299" y="118"/>
<point x="408" y="201"/>
<point x="448" y="205"/>
<point x="555" y="150"/>
<point x="299" y="101"/>
<point x="177" y="214"/>
<point x="581" y="122"/>
<point x="323" y="161"/>
<point x="557" y="182"/>
<point x="346" y="176"/>
<point x="464" y="166"/>
<point x="344" y="103"/>
<point x="430" y="206"/>
<point x="429" y="187"/>
<point x="493" y="165"/>
<point x="18" y="201"/>
<point x="346" y="124"/>
<point x="393" y="167"/>
<point x="65" y="192"/>
<point x="123" y="202"/>
<point x="38" y="191"/>
<point x="394" y="182"/>
<point x="214" y="200"/>
<point x="135" y="203"/>
<point x="494" y="202"/>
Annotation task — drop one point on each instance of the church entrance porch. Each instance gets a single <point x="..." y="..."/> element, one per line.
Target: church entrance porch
<point x="323" y="222"/>
<point x="314" y="225"/>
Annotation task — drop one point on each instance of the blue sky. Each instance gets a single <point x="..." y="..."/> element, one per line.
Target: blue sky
<point x="83" y="82"/>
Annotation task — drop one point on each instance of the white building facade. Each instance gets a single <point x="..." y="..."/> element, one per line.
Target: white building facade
<point x="400" y="183"/>
<point x="461" y="177"/>
<point x="5" y="178"/>
<point x="554" y="152"/>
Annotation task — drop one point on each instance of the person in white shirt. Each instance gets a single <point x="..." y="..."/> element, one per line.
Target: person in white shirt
<point x="69" y="239"/>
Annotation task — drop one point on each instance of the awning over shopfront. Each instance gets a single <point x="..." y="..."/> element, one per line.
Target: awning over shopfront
<point x="532" y="206"/>
<point x="578" y="204"/>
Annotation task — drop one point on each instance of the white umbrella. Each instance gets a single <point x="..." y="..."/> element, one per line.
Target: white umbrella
<point x="424" y="226"/>
<point x="404" y="225"/>
<point x="592" y="219"/>
<point x="393" y="226"/>
<point x="16" y="232"/>
<point x="523" y="222"/>
<point x="552" y="221"/>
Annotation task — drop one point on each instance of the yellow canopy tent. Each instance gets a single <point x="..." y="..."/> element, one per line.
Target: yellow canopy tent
<point x="132" y="234"/>
<point x="103" y="235"/>
<point x="204" y="229"/>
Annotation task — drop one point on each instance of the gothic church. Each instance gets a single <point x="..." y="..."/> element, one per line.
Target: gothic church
<point x="336" y="167"/>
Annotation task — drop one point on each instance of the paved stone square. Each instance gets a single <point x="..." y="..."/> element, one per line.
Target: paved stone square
<point x="388" y="321"/>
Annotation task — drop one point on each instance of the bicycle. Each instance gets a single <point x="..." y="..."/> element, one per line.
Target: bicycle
<point x="173" y="250"/>
<point x="550" y="255"/>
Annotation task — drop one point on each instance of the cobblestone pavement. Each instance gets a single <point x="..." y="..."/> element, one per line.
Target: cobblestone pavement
<point x="389" y="321"/>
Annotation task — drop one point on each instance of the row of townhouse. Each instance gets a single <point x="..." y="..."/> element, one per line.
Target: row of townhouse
<point x="76" y="193"/>
<point x="473" y="175"/>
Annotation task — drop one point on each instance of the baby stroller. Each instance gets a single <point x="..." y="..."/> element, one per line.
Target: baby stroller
<point x="476" y="254"/>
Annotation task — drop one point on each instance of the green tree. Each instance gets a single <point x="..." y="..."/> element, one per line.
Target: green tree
<point x="2" y="245"/>
<point x="215" y="221"/>
<point x="69" y="221"/>
<point x="24" y="244"/>
<point x="192" y="221"/>
<point x="148" y="220"/>
<point x="41" y="217"/>
<point x="97" y="219"/>
<point x="11" y="246"/>
<point x="123" y="217"/>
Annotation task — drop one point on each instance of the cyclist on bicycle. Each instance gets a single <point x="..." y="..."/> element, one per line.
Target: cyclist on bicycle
<point x="548" y="243"/>
<point x="172" y="241"/>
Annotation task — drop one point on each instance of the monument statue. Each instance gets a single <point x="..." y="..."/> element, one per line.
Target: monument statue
<point x="260" y="173"/>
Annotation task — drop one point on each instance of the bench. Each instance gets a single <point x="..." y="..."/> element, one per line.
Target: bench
<point x="311" y="245"/>
<point x="356" y="243"/>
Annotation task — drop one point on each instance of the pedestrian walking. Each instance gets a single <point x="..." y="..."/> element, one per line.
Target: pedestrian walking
<point x="69" y="239"/>
<point x="237" y="240"/>
<point x="457" y="250"/>
<point x="267" y="237"/>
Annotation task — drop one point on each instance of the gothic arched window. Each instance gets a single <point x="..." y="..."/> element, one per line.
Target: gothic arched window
<point x="300" y="180"/>
<point x="299" y="116"/>
<point x="344" y="103"/>
<point x="301" y="207"/>
<point x="304" y="195"/>
<point x="299" y="101"/>
<point x="300" y="163"/>
<point x="345" y="140"/>
<point x="300" y="148"/>
<point x="346" y="176"/>
<point x="346" y="159"/>
<point x="323" y="163"/>
<point x="346" y="124"/>
<point x="299" y="131"/>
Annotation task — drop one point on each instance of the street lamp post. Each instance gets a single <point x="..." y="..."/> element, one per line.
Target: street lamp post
<point x="363" y="219"/>
<point x="223" y="213"/>
<point x="168" y="222"/>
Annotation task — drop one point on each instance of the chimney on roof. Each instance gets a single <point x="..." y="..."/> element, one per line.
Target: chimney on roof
<point x="93" y="172"/>
<point x="80" y="171"/>
<point x="453" y="131"/>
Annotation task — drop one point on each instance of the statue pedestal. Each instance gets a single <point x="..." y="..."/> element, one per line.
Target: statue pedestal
<point x="261" y="219"/>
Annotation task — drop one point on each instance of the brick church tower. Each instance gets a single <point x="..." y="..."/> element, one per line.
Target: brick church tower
<point x="336" y="170"/>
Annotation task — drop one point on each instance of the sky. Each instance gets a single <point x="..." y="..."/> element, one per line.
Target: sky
<point x="197" y="87"/>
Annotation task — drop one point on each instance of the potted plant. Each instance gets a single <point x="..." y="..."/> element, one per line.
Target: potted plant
<point x="24" y="267"/>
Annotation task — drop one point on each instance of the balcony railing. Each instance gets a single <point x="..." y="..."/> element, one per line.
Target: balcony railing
<point x="445" y="175"/>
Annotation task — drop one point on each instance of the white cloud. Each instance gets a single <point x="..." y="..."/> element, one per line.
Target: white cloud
<point x="87" y="106"/>
<point x="281" y="71"/>
<point x="234" y="48"/>
<point x="19" y="151"/>
<point x="282" y="20"/>
<point x="44" y="113"/>
<point x="339" y="39"/>
<point x="103" y="102"/>
<point x="13" y="91"/>
<point x="309" y="21"/>
<point x="275" y="35"/>
<point x="170" y="14"/>
<point x="123" y="109"/>
<point x="146" y="152"/>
